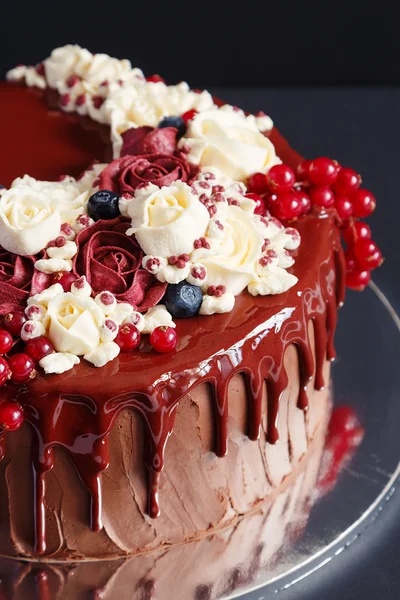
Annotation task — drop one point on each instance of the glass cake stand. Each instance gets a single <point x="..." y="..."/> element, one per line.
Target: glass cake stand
<point x="364" y="377"/>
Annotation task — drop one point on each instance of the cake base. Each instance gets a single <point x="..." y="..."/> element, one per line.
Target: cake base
<point x="209" y="567"/>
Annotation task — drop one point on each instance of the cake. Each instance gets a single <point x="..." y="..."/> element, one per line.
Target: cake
<point x="171" y="274"/>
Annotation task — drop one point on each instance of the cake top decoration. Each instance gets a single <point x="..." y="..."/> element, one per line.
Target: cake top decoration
<point x="195" y="209"/>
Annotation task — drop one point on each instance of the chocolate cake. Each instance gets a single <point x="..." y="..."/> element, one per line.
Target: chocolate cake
<point x="170" y="276"/>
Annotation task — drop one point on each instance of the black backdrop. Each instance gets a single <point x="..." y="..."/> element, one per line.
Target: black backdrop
<point x="217" y="43"/>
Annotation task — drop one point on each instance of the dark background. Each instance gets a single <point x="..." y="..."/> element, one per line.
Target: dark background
<point x="327" y="73"/>
<point x="212" y="42"/>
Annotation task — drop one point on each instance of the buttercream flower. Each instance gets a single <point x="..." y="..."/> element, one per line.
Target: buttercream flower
<point x="232" y="259"/>
<point x="229" y="140"/>
<point x="15" y="280"/>
<point x="110" y="260"/>
<point x="73" y="323"/>
<point x="149" y="140"/>
<point x="166" y="221"/>
<point x="28" y="220"/>
<point x="148" y="155"/>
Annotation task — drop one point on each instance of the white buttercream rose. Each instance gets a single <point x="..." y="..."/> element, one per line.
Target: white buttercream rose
<point x="167" y="220"/>
<point x="229" y="140"/>
<point x="231" y="260"/>
<point x="28" y="220"/>
<point x="73" y="323"/>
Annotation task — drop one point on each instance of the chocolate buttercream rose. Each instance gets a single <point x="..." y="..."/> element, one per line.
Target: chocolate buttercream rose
<point x="110" y="260"/>
<point x="15" y="280"/>
<point x="125" y="175"/>
<point x="148" y="155"/>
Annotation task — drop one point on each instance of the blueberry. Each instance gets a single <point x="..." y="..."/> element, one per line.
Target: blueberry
<point x="183" y="299"/>
<point x="2" y="187"/>
<point x="103" y="205"/>
<point x="176" y="122"/>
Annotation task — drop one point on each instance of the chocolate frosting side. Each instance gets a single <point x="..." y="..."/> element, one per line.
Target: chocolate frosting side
<point x="82" y="421"/>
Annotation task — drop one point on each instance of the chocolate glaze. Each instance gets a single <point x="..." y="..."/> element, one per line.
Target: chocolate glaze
<point x="77" y="410"/>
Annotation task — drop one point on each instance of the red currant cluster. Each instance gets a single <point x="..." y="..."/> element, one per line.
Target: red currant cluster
<point x="318" y="185"/>
<point x="163" y="339"/>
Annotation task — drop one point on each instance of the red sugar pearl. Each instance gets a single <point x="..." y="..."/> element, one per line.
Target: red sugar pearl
<point x="22" y="368"/>
<point x="303" y="169"/>
<point x="364" y="203"/>
<point x="6" y="341"/>
<point x="323" y="171"/>
<point x="11" y="415"/>
<point x="344" y="207"/>
<point x="287" y="206"/>
<point x="280" y="178"/>
<point x="39" y="347"/>
<point x="189" y="115"/>
<point x="347" y="182"/>
<point x="257" y="183"/>
<point x="356" y="230"/>
<point x="128" y="337"/>
<point x="260" y="204"/>
<point x="164" y="339"/>
<point x="13" y="322"/>
<point x="322" y="196"/>
<point x="5" y="372"/>
<point x="368" y="254"/>
<point x="357" y="279"/>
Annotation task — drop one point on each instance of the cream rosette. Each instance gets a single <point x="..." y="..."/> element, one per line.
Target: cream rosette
<point x="231" y="260"/>
<point x="28" y="220"/>
<point x="167" y="220"/>
<point x="69" y="196"/>
<point x="73" y="323"/>
<point x="64" y="62"/>
<point x="229" y="140"/>
<point x="148" y="104"/>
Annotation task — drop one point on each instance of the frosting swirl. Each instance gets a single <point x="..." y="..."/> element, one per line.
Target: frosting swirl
<point x="229" y="140"/>
<point x="167" y="220"/>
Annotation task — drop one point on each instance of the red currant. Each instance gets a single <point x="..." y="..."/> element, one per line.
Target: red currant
<point x="39" y="347"/>
<point x="344" y="207"/>
<point x="356" y="230"/>
<point x="303" y="170"/>
<point x="5" y="372"/>
<point x="270" y="200"/>
<point x="6" y="341"/>
<point x="155" y="78"/>
<point x="11" y="415"/>
<point x="322" y="196"/>
<point x="65" y="278"/>
<point x="304" y="201"/>
<point x="347" y="182"/>
<point x="128" y="337"/>
<point x="13" y="322"/>
<point x="367" y="254"/>
<point x="257" y="183"/>
<point x="323" y="171"/>
<point x="164" y="339"/>
<point x="287" y="206"/>
<point x="351" y="261"/>
<point x="357" y="279"/>
<point x="189" y="115"/>
<point x="364" y="203"/>
<point x="260" y="204"/>
<point x="22" y="368"/>
<point x="280" y="178"/>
